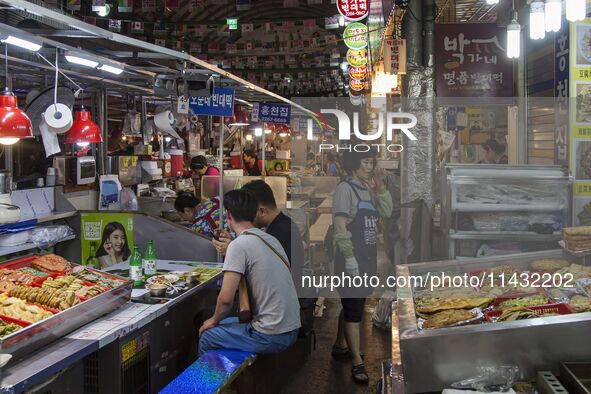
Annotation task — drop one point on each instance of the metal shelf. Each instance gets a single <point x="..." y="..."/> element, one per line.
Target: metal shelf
<point x="28" y="246"/>
<point x="505" y="235"/>
<point x="480" y="207"/>
<point x="57" y="216"/>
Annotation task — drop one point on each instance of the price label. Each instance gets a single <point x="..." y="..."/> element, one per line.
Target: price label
<point x="183" y="105"/>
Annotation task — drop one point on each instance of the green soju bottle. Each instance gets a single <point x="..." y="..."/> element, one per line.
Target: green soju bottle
<point x="149" y="262"/>
<point x="135" y="267"/>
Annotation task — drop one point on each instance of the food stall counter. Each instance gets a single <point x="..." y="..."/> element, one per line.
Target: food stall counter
<point x="42" y="366"/>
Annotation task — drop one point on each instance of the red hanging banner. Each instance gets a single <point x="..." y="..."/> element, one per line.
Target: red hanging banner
<point x="353" y="10"/>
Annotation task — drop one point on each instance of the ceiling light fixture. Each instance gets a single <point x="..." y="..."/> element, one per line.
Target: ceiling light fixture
<point x="258" y="131"/>
<point x="83" y="131"/>
<point x="22" y="43"/>
<point x="81" y="59"/>
<point x="553" y="15"/>
<point x="113" y="68"/>
<point x="14" y="122"/>
<point x="513" y="37"/>
<point x="492" y="2"/>
<point x="576" y="10"/>
<point x="341" y="21"/>
<point x="537" y="24"/>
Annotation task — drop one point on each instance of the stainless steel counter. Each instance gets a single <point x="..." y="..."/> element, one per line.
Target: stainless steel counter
<point x="432" y="359"/>
<point x="42" y="365"/>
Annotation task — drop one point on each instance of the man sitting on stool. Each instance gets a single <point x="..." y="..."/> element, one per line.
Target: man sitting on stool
<point x="260" y="258"/>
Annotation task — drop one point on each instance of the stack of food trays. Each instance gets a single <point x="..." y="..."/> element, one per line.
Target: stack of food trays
<point x="37" y="288"/>
<point x="550" y="287"/>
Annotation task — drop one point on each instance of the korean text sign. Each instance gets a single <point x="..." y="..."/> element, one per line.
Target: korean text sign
<point x="221" y="103"/>
<point x="471" y="61"/>
<point x="271" y="112"/>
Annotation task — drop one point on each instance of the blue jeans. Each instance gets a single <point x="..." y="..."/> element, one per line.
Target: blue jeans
<point x="230" y="334"/>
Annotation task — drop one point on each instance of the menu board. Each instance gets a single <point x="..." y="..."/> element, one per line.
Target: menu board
<point x="471" y="61"/>
<point x="580" y="119"/>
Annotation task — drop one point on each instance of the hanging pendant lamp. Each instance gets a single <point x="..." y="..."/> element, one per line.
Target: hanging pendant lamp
<point x="83" y="131"/>
<point x="14" y="122"/>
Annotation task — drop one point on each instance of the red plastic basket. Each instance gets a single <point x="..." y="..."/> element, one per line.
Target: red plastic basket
<point x="561" y="309"/>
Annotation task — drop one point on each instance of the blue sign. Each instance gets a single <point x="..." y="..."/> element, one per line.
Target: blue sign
<point x="271" y="113"/>
<point x="561" y="95"/>
<point x="221" y="103"/>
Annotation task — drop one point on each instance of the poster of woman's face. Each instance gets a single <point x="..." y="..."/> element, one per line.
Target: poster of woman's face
<point x="114" y="247"/>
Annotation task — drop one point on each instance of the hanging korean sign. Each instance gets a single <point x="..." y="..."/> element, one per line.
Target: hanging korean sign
<point x="395" y="56"/>
<point x="125" y="6"/>
<point x="357" y="72"/>
<point x="331" y="22"/>
<point x="271" y="112"/>
<point x="561" y="95"/>
<point x="148" y="5"/>
<point x="74" y="5"/>
<point x="221" y="103"/>
<point x="355" y="35"/>
<point x="356" y="85"/>
<point x="242" y="5"/>
<point x="353" y="10"/>
<point x="115" y="25"/>
<point x="471" y="62"/>
<point x="247" y="28"/>
<point x="232" y="23"/>
<point x="357" y="58"/>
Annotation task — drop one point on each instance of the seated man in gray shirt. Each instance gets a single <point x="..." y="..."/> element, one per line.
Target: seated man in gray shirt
<point x="260" y="258"/>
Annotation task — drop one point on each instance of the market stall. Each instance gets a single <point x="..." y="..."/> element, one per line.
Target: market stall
<point x="444" y="334"/>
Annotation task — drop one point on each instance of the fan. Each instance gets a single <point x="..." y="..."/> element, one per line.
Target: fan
<point x="38" y="104"/>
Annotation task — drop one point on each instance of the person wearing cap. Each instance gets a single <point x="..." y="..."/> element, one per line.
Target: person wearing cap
<point x="494" y="152"/>
<point x="199" y="168"/>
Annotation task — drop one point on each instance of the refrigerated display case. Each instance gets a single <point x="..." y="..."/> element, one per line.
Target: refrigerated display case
<point x="430" y="359"/>
<point x="503" y="209"/>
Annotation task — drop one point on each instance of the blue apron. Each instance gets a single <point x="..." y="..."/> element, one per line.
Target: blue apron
<point x="364" y="236"/>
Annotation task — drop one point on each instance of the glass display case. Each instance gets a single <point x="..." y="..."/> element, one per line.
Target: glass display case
<point x="492" y="210"/>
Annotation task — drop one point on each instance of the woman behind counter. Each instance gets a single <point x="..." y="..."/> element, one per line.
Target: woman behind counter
<point x="358" y="203"/>
<point x="203" y="216"/>
<point x="114" y="248"/>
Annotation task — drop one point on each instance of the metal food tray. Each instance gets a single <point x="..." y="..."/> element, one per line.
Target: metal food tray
<point x="39" y="334"/>
<point x="433" y="359"/>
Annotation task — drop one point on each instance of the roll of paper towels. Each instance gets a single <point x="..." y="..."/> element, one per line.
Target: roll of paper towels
<point x="164" y="121"/>
<point x="58" y="118"/>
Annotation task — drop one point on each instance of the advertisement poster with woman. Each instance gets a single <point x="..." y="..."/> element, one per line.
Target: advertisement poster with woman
<point x="106" y="238"/>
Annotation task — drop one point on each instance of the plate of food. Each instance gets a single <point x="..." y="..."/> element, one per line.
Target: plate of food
<point x="585" y="45"/>
<point x="167" y="279"/>
<point x="583" y="103"/>
<point x="451" y="318"/>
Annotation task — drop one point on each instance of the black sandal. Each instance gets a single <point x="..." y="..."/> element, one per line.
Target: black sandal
<point x="360" y="374"/>
<point x="340" y="353"/>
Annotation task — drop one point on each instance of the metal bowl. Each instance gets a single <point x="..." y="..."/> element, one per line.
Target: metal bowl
<point x="192" y="277"/>
<point x="157" y="290"/>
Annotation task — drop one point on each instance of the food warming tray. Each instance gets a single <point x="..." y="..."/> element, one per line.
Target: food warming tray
<point x="39" y="334"/>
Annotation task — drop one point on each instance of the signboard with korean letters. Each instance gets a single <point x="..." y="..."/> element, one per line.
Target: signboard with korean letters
<point x="271" y="112"/>
<point x="221" y="103"/>
<point x="471" y="61"/>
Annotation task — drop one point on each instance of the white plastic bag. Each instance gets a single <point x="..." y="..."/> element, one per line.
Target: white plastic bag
<point x="382" y="315"/>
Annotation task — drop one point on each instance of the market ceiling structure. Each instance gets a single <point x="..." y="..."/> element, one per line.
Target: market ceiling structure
<point x="294" y="54"/>
<point x="143" y="60"/>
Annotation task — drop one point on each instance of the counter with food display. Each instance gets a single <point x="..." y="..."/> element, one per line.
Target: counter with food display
<point x="530" y="310"/>
<point x="119" y="341"/>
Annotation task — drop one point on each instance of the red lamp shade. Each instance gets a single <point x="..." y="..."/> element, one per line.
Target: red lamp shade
<point x="14" y="122"/>
<point x="240" y="118"/>
<point x="83" y="130"/>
